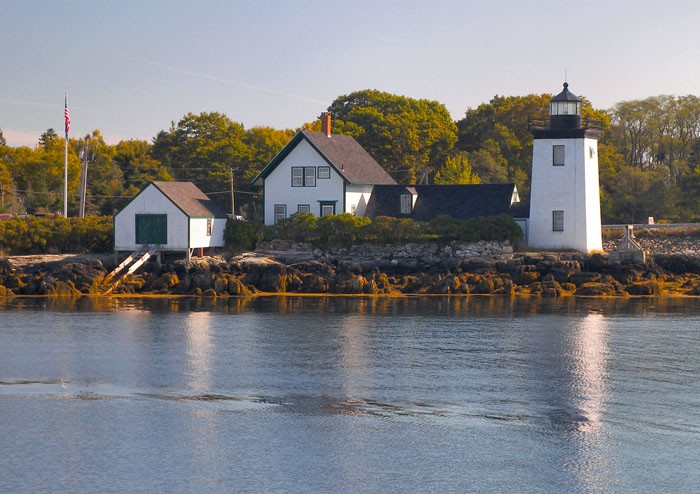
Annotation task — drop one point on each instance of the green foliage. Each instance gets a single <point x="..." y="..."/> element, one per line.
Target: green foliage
<point x="340" y="229"/>
<point x="388" y="230"/>
<point x="240" y="235"/>
<point x="344" y="230"/>
<point x="299" y="227"/>
<point x="22" y="236"/>
<point x="457" y="170"/>
<point x="404" y="135"/>
<point x="501" y="227"/>
<point x="205" y="148"/>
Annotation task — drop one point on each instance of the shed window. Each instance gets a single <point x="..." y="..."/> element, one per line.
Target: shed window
<point x="558" y="155"/>
<point x="557" y="221"/>
<point x="280" y="212"/>
<point x="209" y="221"/>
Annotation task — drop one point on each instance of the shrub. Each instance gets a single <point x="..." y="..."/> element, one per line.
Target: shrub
<point x="388" y="230"/>
<point x="33" y="235"/>
<point x="241" y="235"/>
<point x="299" y="227"/>
<point x="501" y="227"/>
<point x="345" y="229"/>
<point x="340" y="229"/>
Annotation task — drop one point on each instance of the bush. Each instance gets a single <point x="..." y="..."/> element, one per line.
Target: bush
<point x="501" y="227"/>
<point x="21" y="236"/>
<point x="388" y="230"/>
<point x="299" y="227"/>
<point x="242" y="235"/>
<point x="345" y="230"/>
<point x="341" y="229"/>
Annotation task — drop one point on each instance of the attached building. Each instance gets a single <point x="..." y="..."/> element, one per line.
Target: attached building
<point x="319" y="173"/>
<point x="172" y="216"/>
<point x="424" y="202"/>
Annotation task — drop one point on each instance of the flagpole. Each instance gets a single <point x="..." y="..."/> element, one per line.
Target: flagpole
<point x="65" y="164"/>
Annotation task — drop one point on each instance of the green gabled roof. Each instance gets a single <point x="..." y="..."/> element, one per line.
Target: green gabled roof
<point x="342" y="153"/>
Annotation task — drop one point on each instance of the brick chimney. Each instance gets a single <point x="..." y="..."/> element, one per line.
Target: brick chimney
<point x="326" y="123"/>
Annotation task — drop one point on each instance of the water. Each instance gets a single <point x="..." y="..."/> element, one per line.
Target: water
<point x="349" y="395"/>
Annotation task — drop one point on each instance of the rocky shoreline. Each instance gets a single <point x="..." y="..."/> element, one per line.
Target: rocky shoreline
<point x="476" y="268"/>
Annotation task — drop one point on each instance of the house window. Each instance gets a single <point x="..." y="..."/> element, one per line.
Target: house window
<point x="324" y="172"/>
<point x="558" y="155"/>
<point x="303" y="176"/>
<point x="309" y="176"/>
<point x="406" y="203"/>
<point x="557" y="221"/>
<point x="327" y="207"/>
<point x="209" y="227"/>
<point x="297" y="176"/>
<point x="304" y="208"/>
<point x="280" y="212"/>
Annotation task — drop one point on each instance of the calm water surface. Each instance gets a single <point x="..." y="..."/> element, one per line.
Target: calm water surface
<point x="349" y="395"/>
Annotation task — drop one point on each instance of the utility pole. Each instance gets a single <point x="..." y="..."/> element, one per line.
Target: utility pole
<point x="83" y="179"/>
<point x="233" y="210"/>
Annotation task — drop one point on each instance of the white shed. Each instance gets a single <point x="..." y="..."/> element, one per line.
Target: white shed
<point x="172" y="216"/>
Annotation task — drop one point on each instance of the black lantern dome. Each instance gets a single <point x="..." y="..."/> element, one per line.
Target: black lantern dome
<point x="565" y="110"/>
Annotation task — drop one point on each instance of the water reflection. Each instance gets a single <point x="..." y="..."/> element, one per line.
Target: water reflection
<point x="572" y="367"/>
<point x="197" y="326"/>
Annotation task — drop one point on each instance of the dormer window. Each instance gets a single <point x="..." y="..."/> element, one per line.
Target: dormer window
<point x="406" y="203"/>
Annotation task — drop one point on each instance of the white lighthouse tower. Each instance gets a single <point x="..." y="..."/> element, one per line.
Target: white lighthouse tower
<point x="564" y="194"/>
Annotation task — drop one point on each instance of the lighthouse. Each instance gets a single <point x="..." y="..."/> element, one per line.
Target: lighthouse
<point x="564" y="193"/>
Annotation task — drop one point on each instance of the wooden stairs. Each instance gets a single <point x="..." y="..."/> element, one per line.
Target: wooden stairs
<point x="131" y="264"/>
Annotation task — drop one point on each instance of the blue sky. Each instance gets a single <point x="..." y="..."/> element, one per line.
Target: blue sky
<point x="132" y="67"/>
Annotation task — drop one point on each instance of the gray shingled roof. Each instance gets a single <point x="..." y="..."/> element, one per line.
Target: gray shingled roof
<point x="458" y="201"/>
<point x="192" y="201"/>
<point x="349" y="158"/>
<point x="343" y="153"/>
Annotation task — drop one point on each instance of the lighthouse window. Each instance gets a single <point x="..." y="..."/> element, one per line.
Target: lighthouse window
<point x="558" y="155"/>
<point x="557" y="221"/>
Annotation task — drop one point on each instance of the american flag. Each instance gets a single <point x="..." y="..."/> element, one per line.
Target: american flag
<point x="66" y="115"/>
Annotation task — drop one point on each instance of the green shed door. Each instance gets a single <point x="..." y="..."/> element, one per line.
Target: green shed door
<point x="152" y="229"/>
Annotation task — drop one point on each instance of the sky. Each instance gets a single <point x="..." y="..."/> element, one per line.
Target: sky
<point x="133" y="67"/>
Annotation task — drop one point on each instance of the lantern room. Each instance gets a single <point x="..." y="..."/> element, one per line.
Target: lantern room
<point x="565" y="110"/>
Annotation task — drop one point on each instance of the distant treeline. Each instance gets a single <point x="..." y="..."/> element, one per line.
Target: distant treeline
<point x="649" y="154"/>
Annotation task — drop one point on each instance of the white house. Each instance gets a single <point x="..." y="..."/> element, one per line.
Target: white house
<point x="174" y="216"/>
<point x="564" y="194"/>
<point x="319" y="173"/>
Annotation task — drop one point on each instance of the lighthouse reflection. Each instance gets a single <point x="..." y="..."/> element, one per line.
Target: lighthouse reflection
<point x="572" y="368"/>
<point x="588" y="368"/>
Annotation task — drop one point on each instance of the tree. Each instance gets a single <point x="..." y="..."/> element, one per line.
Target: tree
<point x="137" y="165"/>
<point x="3" y="142"/>
<point x="49" y="139"/>
<point x="37" y="176"/>
<point x="498" y="139"/>
<point x="457" y="170"/>
<point x="203" y="149"/>
<point x="406" y="136"/>
<point x="263" y="144"/>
